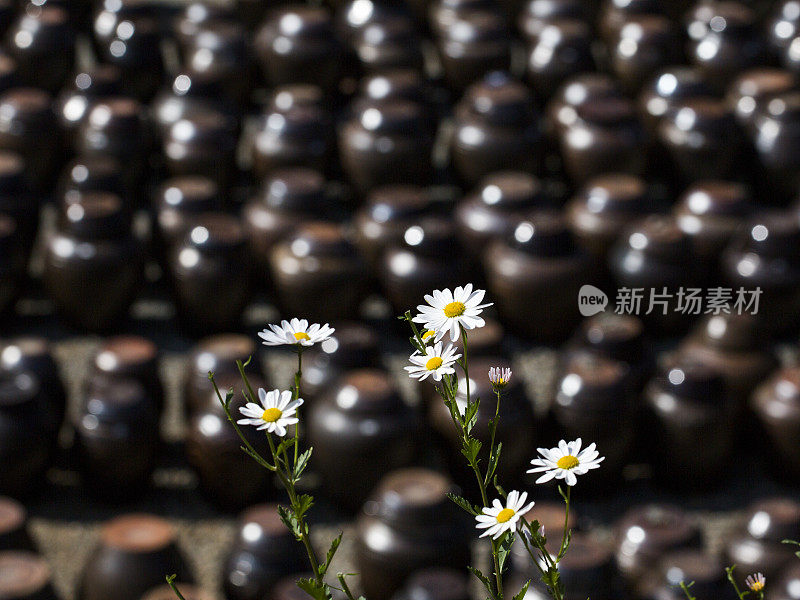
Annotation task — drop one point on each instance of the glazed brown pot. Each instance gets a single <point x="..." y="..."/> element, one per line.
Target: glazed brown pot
<point x="776" y="402"/>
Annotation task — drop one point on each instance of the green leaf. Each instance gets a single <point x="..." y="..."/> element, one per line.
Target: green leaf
<point x="471" y="449"/>
<point x="304" y="503"/>
<point x="314" y="589"/>
<point x="523" y="590"/>
<point x="483" y="579"/>
<point x="504" y="550"/>
<point x="494" y="458"/>
<point x="464" y="503"/>
<point x="331" y="553"/>
<point x="302" y="463"/>
<point x="471" y="415"/>
<point x="794" y="543"/>
<point x="498" y="487"/>
<point x="291" y="522"/>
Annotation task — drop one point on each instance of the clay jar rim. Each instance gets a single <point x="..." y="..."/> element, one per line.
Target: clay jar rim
<point x="772" y="234"/>
<point x="392" y="116"/>
<point x="398" y="202"/>
<point x="427" y="504"/>
<point x="432" y="236"/>
<point x="19" y="390"/>
<point x="596" y="381"/>
<point x="193" y="194"/>
<point x="104" y="169"/>
<point x="353" y="345"/>
<point x="118" y="115"/>
<point x="658" y="236"/>
<point x="206" y="356"/>
<point x="50" y="26"/>
<point x="313" y="21"/>
<point x="538" y="13"/>
<point x="294" y="189"/>
<point x="95" y="215"/>
<point x="32" y="105"/>
<point x="365" y="392"/>
<point x="12" y="173"/>
<point x="697" y="114"/>
<point x="648" y="28"/>
<point x="691" y="564"/>
<point x="729" y="333"/>
<point x="473" y="29"/>
<point x="126" y="353"/>
<point x="614" y="196"/>
<point x="319" y="238"/>
<point x="773" y="520"/>
<point x="721" y="203"/>
<point x="401" y="82"/>
<point x="668" y="520"/>
<point x="543" y="234"/>
<point x="760" y="83"/>
<point x="114" y="399"/>
<point x="512" y="190"/>
<point x="602" y="333"/>
<point x="215" y="232"/>
<point x="499" y="100"/>
<point x="24" y="348"/>
<point x="23" y="574"/>
<point x="691" y="380"/>
<point x="204" y="127"/>
<point x="563" y="32"/>
<point x="138" y="534"/>
<point x="672" y="86"/>
<point x="435" y="583"/>
<point x="781" y="388"/>
<point x="97" y="81"/>
<point x="286" y="97"/>
<point x="260" y="524"/>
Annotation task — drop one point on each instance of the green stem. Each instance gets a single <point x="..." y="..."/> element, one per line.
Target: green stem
<point x="739" y="593"/>
<point x="562" y="550"/>
<point x="297" y="376"/>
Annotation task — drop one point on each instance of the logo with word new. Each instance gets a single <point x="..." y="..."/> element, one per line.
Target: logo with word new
<point x="591" y="300"/>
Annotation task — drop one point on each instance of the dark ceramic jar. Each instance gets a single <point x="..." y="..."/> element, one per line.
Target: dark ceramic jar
<point x="211" y="262"/>
<point x="776" y="135"/>
<point x="8" y="9"/>
<point x="383" y="220"/>
<point x="228" y="477"/>
<point x="26" y="576"/>
<point x="788" y="587"/>
<point x="591" y="392"/>
<point x="12" y="263"/>
<point x="435" y="584"/>
<point x="497" y="205"/>
<point x="604" y="136"/>
<point x="109" y="16"/>
<point x="14" y="526"/>
<point x="93" y="173"/>
<point x="116" y="437"/>
<point x="443" y="14"/>
<point x="643" y="45"/>
<point x="28" y="127"/>
<point x="9" y="76"/>
<point x="561" y="49"/>
<point x="353" y="16"/>
<point x="202" y="143"/>
<point x="263" y="552"/>
<point x="734" y="346"/>
<point x="691" y="413"/>
<point x="133" y="553"/>
<point x="711" y="213"/>
<point x="497" y="128"/>
<point x="577" y="92"/>
<point x="603" y="207"/>
<point x="724" y="39"/>
<point x="354" y="346"/>
<point x="750" y="93"/>
<point x="34" y="355"/>
<point x="406" y="84"/>
<point x="704" y="569"/>
<point x="652" y="255"/>
<point x="385" y="143"/>
<point x="516" y="414"/>
<point x="783" y="24"/>
<point x="135" y="47"/>
<point x="588" y="569"/>
<point x="541" y="260"/>
<point x="27" y="434"/>
<point x="295" y="131"/>
<point x="409" y="523"/>
<point x="93" y="263"/>
<point x="218" y="355"/>
<point x="391" y="42"/>
<point x="220" y="55"/>
<point x="134" y="357"/>
<point x="618" y="337"/>
<point x="755" y="546"/>
<point x="42" y="42"/>
<point x="86" y="88"/>
<point x="428" y="257"/>
<point x="668" y="90"/>
<point x="297" y="44"/>
<point x="646" y="533"/>
<point x="117" y="127"/>
<point x="287" y="198"/>
<point x="318" y="273"/>
<point x="179" y="202"/>
<point x="614" y="14"/>
<point x="360" y="428"/>
<point x="535" y="15"/>
<point x="776" y="402"/>
<point x="478" y="42"/>
<point x="765" y="256"/>
<point x="190" y="92"/>
<point x="198" y="15"/>
<point x="17" y="200"/>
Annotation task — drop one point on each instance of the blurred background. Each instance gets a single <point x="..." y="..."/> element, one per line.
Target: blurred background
<point x="176" y="175"/>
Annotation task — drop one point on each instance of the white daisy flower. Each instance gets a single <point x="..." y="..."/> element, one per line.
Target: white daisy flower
<point x="447" y="310"/>
<point x="435" y="362"/>
<point x="566" y="462"/>
<point x="756" y="582"/>
<point x="276" y="412"/>
<point x="498" y="519"/>
<point x="296" y="331"/>
<point x="499" y="377"/>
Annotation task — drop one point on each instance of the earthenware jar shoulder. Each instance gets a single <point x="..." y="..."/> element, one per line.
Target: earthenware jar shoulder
<point x="614" y="14"/>
<point x="776" y="135"/>
<point x="84" y="89"/>
<point x="539" y="259"/>
<point x="132" y="357"/>
<point x="360" y="428"/>
<point x="14" y="526"/>
<point x="408" y="510"/>
<point x="750" y="93"/>
<point x="93" y="263"/>
<point x="17" y="200"/>
<point x="392" y="42"/>
<point x="644" y="44"/>
<point x="535" y="15"/>
<point x="667" y="90"/>
<point x="178" y="203"/>
<point x="26" y="576"/>
<point x="776" y="402"/>
<point x="94" y="173"/>
<point x="577" y="91"/>
<point x="561" y="49"/>
<point x="497" y="128"/>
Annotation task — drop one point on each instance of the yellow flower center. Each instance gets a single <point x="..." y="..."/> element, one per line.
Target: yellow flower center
<point x="757" y="586"/>
<point x="567" y="462"/>
<point x="427" y="334"/>
<point x="301" y="336"/>
<point x="271" y="415"/>
<point x="504" y="515"/>
<point x="434" y="363"/>
<point x="454" y="309"/>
